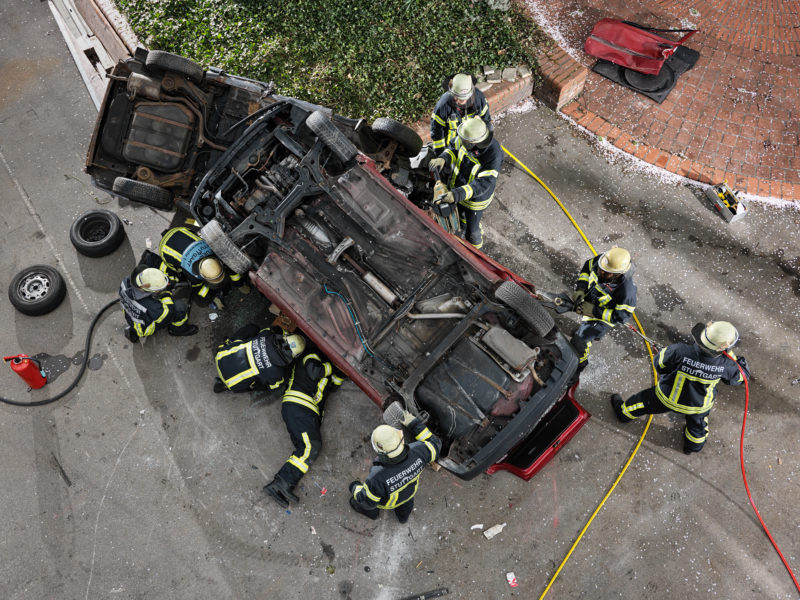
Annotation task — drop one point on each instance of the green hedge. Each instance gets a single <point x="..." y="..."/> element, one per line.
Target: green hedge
<point x="363" y="58"/>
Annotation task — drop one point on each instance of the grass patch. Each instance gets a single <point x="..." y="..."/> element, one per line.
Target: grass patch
<point x="364" y="58"/>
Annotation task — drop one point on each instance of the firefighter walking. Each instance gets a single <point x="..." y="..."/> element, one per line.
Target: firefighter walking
<point x="605" y="295"/>
<point x="253" y="359"/>
<point x="472" y="164"/>
<point x="394" y="477"/>
<point x="148" y="305"/>
<point x="302" y="409"/>
<point x="688" y="375"/>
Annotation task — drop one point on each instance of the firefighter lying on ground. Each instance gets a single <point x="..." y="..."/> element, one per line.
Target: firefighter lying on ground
<point x="149" y="305"/>
<point x="394" y="477"/>
<point x="253" y="359"/>
<point x="469" y="167"/>
<point x="461" y="101"/>
<point x="688" y="375"/>
<point x="605" y="295"/>
<point x="302" y="409"/>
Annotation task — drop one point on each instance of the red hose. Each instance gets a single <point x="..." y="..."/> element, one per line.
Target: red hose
<point x="744" y="475"/>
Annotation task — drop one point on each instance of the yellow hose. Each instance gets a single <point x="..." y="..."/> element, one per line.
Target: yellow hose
<point x="655" y="378"/>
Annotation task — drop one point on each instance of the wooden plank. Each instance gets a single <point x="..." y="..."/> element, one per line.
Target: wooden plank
<point x="97" y="22"/>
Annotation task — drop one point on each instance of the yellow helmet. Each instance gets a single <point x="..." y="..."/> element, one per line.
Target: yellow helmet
<point x="211" y="270"/>
<point x="715" y="335"/>
<point x="296" y="343"/>
<point x="387" y="440"/>
<point x="616" y="260"/>
<point x="151" y="280"/>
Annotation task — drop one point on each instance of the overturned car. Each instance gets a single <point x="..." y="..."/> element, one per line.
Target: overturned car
<point x="331" y="218"/>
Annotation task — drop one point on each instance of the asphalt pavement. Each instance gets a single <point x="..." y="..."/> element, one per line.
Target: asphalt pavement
<point x="142" y="483"/>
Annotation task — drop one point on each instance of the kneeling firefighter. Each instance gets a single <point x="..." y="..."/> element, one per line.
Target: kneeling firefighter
<point x="473" y="163"/>
<point x="302" y="409"/>
<point x="148" y="305"/>
<point x="253" y="359"/>
<point x="394" y="477"/>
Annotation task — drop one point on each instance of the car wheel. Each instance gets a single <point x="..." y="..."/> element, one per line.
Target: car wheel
<point x="331" y="136"/>
<point x="96" y="233"/>
<point x="165" y="61"/>
<point x="407" y="139"/>
<point x="37" y="290"/>
<point x="146" y="193"/>
<point x="219" y="242"/>
<point x="514" y="296"/>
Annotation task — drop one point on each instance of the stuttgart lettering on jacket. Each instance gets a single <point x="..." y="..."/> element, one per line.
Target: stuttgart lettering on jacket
<point x="697" y="368"/>
<point x="260" y="354"/>
<point x="398" y="480"/>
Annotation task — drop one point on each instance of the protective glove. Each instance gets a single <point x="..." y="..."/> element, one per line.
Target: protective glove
<point x="437" y="163"/>
<point x="439" y="190"/>
<point x="586" y="308"/>
<point x="577" y="297"/>
<point x="244" y="289"/>
<point x="745" y="367"/>
<point x="448" y="198"/>
<point x="407" y="418"/>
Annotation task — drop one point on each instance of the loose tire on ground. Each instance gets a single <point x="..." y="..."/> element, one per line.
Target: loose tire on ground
<point x="409" y="142"/>
<point x="37" y="290"/>
<point x="165" y="61"/>
<point x="96" y="233"/>
<point x="236" y="260"/>
<point x="145" y="193"/>
<point x="514" y="296"/>
<point x="334" y="139"/>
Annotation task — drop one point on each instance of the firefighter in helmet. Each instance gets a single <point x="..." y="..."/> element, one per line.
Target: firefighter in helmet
<point x="469" y="167"/>
<point x="688" y="375"/>
<point x="394" y="477"/>
<point x="461" y="101"/>
<point x="148" y="305"/>
<point x="605" y="295"/>
<point x="302" y="408"/>
<point x="253" y="359"/>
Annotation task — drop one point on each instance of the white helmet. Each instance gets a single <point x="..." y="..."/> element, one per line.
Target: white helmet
<point x="715" y="336"/>
<point x="461" y="86"/>
<point x="151" y="280"/>
<point x="387" y="440"/>
<point x="616" y="260"/>
<point x="474" y="132"/>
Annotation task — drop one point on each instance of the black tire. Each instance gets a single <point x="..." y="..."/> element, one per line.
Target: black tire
<point x="514" y="296"/>
<point x="37" y="290"/>
<point x="408" y="141"/>
<point x="145" y="193"/>
<point x="331" y="136"/>
<point x="165" y="61"/>
<point x="96" y="233"/>
<point x="219" y="242"/>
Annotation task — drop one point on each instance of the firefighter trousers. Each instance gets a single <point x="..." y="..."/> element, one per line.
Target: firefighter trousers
<point x="646" y="402"/>
<point x="402" y="512"/>
<point x="471" y="228"/>
<point x="587" y="332"/>
<point x="303" y="425"/>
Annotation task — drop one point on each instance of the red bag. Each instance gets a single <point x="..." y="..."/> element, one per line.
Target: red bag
<point x="635" y="47"/>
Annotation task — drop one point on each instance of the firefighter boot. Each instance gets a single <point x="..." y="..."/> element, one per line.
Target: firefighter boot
<point x="616" y="404"/>
<point x="130" y="335"/>
<point x="183" y="330"/>
<point x="281" y="491"/>
<point x="219" y="387"/>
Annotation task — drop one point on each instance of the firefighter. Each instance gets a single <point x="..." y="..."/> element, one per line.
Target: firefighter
<point x="688" y="375"/>
<point x="302" y="409"/>
<point x="148" y="305"/>
<point x="254" y="359"/>
<point x="461" y="101"/>
<point x="394" y="477"/>
<point x="472" y="164"/>
<point x="605" y="295"/>
<point x="184" y="255"/>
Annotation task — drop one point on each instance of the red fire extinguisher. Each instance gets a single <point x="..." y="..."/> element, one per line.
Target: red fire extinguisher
<point x="29" y="369"/>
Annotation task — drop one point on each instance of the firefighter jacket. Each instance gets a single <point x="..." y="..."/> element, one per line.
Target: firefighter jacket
<point x="146" y="312"/>
<point x="392" y="482"/>
<point x="614" y="301"/>
<point x="688" y="377"/>
<point x="447" y="116"/>
<point x="257" y="363"/>
<point x="474" y="173"/>
<point x="310" y="381"/>
<point x="181" y="250"/>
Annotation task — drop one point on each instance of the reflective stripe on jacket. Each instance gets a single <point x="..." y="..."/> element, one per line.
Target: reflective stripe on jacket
<point x="241" y="364"/>
<point x="447" y="116"/>
<point x="474" y="175"/>
<point x="309" y="382"/>
<point x="614" y="301"/>
<point x="688" y="377"/>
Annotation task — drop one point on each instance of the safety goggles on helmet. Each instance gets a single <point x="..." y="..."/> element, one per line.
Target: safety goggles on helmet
<point x="461" y="88"/>
<point x="474" y="133"/>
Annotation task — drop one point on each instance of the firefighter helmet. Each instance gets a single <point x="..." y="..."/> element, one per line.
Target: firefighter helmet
<point x="211" y="271"/>
<point x="474" y="132"/>
<point x="150" y="280"/>
<point x="715" y="335"/>
<point x="616" y="260"/>
<point x="461" y="87"/>
<point x="295" y="342"/>
<point x="387" y="441"/>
